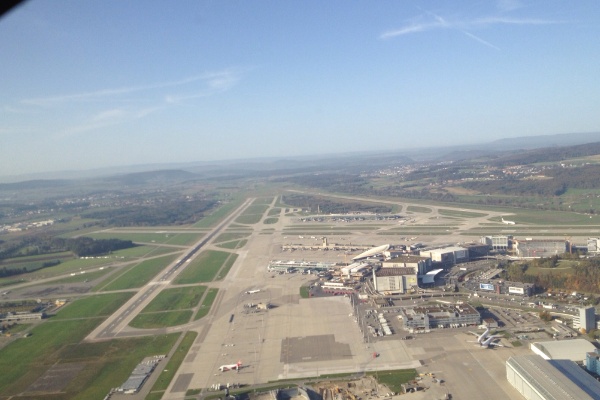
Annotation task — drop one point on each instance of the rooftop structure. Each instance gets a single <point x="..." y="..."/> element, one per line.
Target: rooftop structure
<point x="536" y="378"/>
<point x="395" y="280"/>
<point x="430" y="276"/>
<point x="498" y="242"/>
<point x="536" y="248"/>
<point x="372" y="252"/>
<point x="439" y="316"/>
<point x="592" y="361"/>
<point x="573" y="350"/>
<point x="422" y="264"/>
<point x="286" y="266"/>
<point x="446" y="255"/>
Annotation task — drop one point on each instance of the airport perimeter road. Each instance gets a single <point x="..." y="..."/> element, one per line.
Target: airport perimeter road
<point x="114" y="325"/>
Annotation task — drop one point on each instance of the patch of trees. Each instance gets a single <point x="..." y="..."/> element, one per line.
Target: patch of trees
<point x="548" y="155"/>
<point x="583" y="277"/>
<point x="85" y="246"/>
<point x="43" y="244"/>
<point x="335" y="182"/>
<point x="173" y="212"/>
<point x="327" y="206"/>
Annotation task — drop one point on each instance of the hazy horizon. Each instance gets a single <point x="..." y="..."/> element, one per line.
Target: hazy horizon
<point x="97" y="85"/>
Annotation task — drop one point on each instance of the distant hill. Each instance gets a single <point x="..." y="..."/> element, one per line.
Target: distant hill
<point x="36" y="184"/>
<point x="161" y="176"/>
<point x="138" y="174"/>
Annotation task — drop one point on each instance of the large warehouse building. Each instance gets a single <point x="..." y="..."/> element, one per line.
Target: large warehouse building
<point x="539" y="379"/>
<point x="395" y="280"/>
<point x="421" y="264"/>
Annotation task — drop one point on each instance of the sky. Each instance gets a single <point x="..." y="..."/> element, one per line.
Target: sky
<point x="87" y="84"/>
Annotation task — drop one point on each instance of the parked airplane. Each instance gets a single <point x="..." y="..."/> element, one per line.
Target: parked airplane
<point x="252" y="291"/>
<point x="508" y="222"/>
<point x="490" y="341"/>
<point x="485" y="340"/>
<point x="229" y="367"/>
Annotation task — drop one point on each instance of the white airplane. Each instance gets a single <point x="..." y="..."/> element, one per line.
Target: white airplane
<point x="252" y="291"/>
<point x="229" y="367"/>
<point x="490" y="341"/>
<point x="485" y="340"/>
<point x="508" y="222"/>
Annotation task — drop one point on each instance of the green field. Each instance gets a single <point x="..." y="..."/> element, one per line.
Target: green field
<point x="220" y="214"/>
<point x="184" y="238"/>
<point x="204" y="268"/>
<point x="161" y="319"/>
<point x="70" y="266"/>
<point x="460" y="213"/>
<point x="419" y="209"/>
<point x="93" y="306"/>
<point x="207" y="303"/>
<point x="176" y="299"/>
<point x="249" y="219"/>
<point x="227" y="266"/>
<point x="395" y="378"/>
<point x="139" y="275"/>
<point x="173" y="364"/>
<point x="262" y="200"/>
<point x="87" y="277"/>
<point x="25" y="360"/>
<point x="271" y="220"/>
<point x="236" y="244"/>
<point x="226" y="237"/>
<point x="274" y="211"/>
<point x="252" y="215"/>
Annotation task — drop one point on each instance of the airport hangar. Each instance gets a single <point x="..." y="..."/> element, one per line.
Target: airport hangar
<point x="539" y="379"/>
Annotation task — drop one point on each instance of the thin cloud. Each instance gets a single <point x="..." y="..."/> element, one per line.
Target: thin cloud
<point x="215" y="83"/>
<point x="106" y="118"/>
<point x="480" y="40"/>
<point x="437" y="22"/>
<point x="514" y="21"/>
<point x="208" y="78"/>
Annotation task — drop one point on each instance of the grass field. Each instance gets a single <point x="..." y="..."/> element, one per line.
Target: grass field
<point x="219" y="214"/>
<point x="227" y="236"/>
<point x="262" y="200"/>
<point x="184" y="238"/>
<point x="93" y="306"/>
<point x="204" y="268"/>
<point x="227" y="266"/>
<point x="113" y="362"/>
<point x="207" y="303"/>
<point x="161" y="319"/>
<point x="70" y="266"/>
<point x="271" y="220"/>
<point x="395" y="378"/>
<point x="23" y="361"/>
<point x="274" y="211"/>
<point x="459" y="213"/>
<point x="176" y="299"/>
<point x="304" y="292"/>
<point x="236" y="244"/>
<point x="173" y="364"/>
<point x="418" y="209"/>
<point x="252" y="215"/>
<point x="139" y="275"/>
<point x="88" y="276"/>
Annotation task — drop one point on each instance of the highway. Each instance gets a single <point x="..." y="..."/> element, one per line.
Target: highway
<point x="116" y="325"/>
